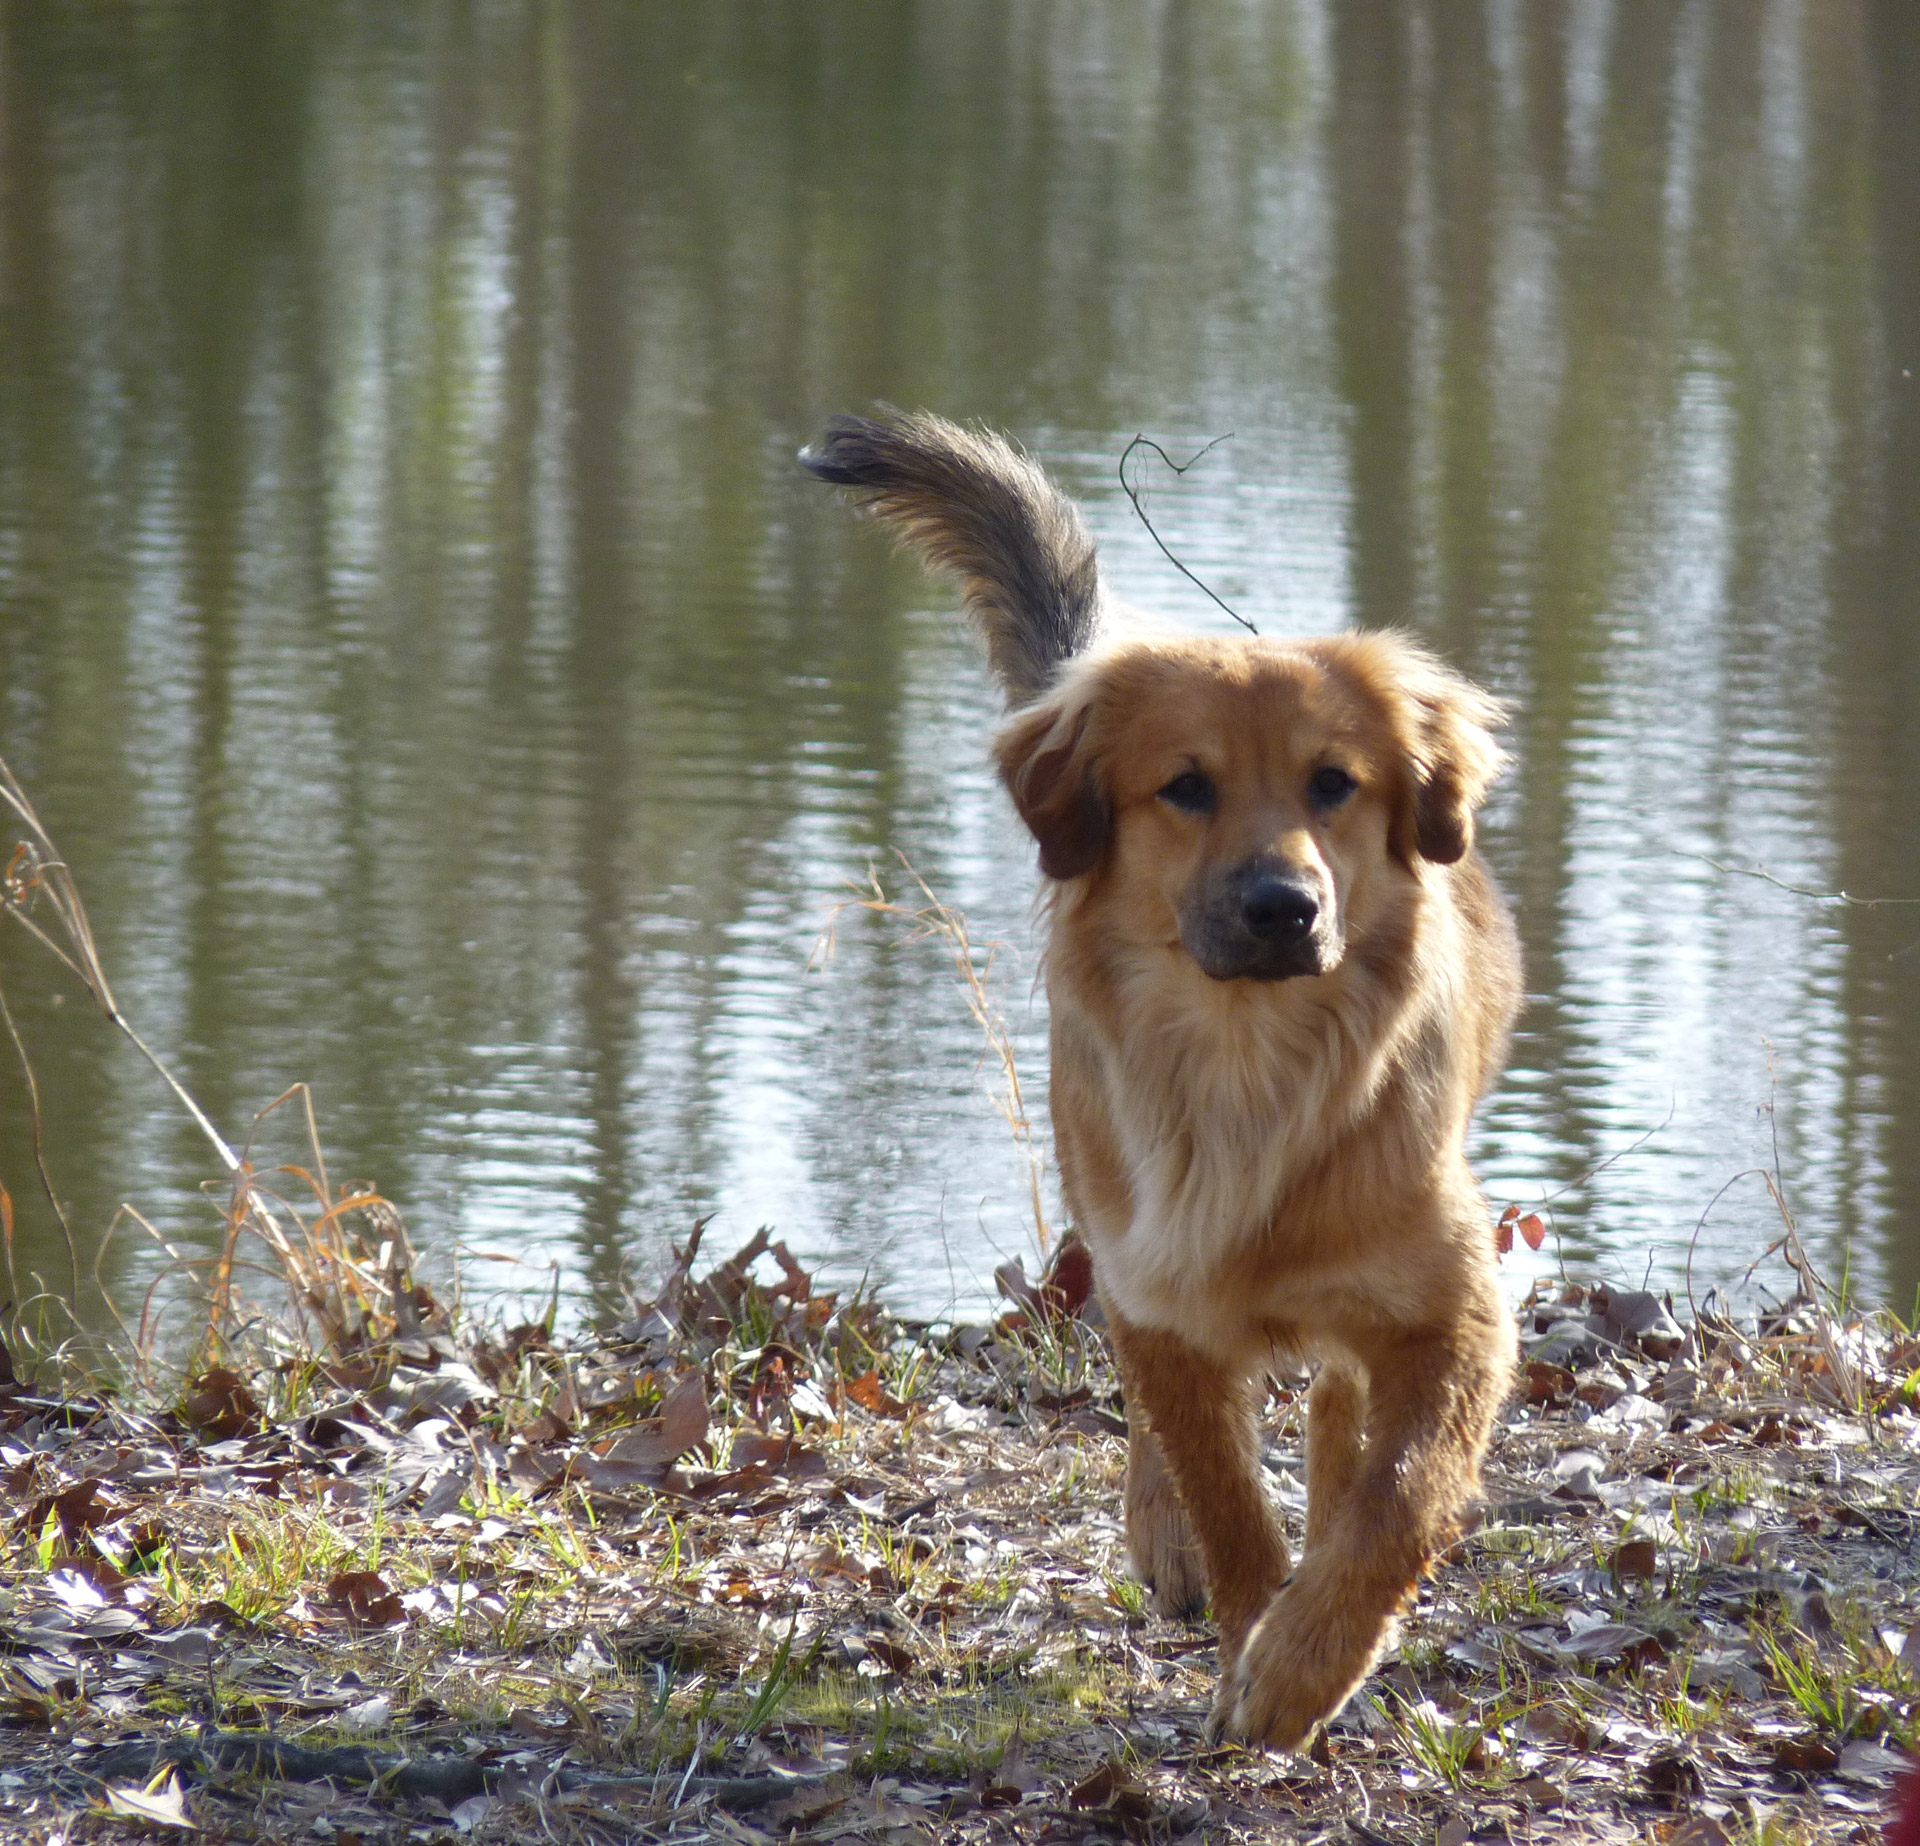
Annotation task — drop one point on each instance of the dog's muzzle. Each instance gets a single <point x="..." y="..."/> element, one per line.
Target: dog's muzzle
<point x="1261" y="921"/>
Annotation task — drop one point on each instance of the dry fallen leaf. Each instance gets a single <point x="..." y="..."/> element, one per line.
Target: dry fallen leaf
<point x="681" y="1425"/>
<point x="871" y="1395"/>
<point x="468" y="1814"/>
<point x="1606" y="1642"/>
<point x="1807" y="1754"/>
<point x="367" y="1716"/>
<point x="1870" y="1761"/>
<point x="78" y="1509"/>
<point x="1673" y="1772"/>
<point x="185" y="1647"/>
<point x="541" y="1726"/>
<point x="161" y="1803"/>
<point x="1069" y="1279"/>
<point x="590" y="1658"/>
<point x="1631" y="1317"/>
<point x="86" y="1583"/>
<point x="1113" y="1790"/>
<point x="890" y="1654"/>
<point x="365" y="1599"/>
<point x="1547" y="1383"/>
<point x="806" y="1808"/>
<point x="1060" y="1294"/>
<point x="218" y="1406"/>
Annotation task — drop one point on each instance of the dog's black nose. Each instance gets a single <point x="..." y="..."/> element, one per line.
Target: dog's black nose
<point x="1276" y="909"/>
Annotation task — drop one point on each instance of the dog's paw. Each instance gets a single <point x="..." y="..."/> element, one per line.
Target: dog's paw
<point x="1220" y="1726"/>
<point x="1164" y="1552"/>
<point x="1293" y="1673"/>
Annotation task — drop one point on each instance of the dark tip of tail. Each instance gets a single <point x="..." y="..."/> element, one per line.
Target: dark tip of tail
<point x="849" y="452"/>
<point x="825" y="468"/>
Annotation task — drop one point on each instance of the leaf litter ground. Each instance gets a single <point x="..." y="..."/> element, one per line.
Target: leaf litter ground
<point x="758" y="1564"/>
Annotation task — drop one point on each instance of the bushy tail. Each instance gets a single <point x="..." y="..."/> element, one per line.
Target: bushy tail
<point x="967" y="501"/>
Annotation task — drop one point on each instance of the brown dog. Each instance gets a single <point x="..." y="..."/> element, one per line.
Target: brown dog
<point x="1280" y="979"/>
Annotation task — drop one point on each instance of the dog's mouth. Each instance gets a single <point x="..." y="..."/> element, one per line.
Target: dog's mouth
<point x="1261" y="924"/>
<point x="1231" y="962"/>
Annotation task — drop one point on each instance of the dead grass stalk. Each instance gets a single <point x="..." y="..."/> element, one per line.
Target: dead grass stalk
<point x="933" y="919"/>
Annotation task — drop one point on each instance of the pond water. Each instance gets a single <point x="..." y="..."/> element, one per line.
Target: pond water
<point x="417" y="635"/>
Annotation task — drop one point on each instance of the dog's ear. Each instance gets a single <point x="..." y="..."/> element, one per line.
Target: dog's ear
<point x="1447" y="726"/>
<point x="1048" y="762"/>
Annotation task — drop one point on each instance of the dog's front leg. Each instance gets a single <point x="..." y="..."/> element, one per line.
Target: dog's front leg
<point x="1430" y="1407"/>
<point x="1199" y="1422"/>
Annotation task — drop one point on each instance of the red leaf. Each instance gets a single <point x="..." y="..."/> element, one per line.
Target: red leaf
<point x="1099" y="1789"/>
<point x="890" y="1654"/>
<point x="1533" y="1228"/>
<point x="1112" y="1789"/>
<point x="1069" y="1279"/>
<point x="870" y="1394"/>
<point x="1547" y="1383"/>
<point x="218" y="1406"/>
<point x="364" y="1598"/>
<point x="1810" y="1754"/>
<point x="79" y="1509"/>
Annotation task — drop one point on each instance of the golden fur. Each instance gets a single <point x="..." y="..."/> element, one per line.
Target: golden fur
<point x="1280" y="978"/>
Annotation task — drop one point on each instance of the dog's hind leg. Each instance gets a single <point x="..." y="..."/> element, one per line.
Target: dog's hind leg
<point x="1160" y="1541"/>
<point x="1336" y="1422"/>
<point x="1200" y="1417"/>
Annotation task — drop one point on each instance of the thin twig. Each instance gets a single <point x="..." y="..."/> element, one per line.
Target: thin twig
<point x="1619" y="1153"/>
<point x="1133" y="494"/>
<point x="1693" y="1307"/>
<point x="1780" y="884"/>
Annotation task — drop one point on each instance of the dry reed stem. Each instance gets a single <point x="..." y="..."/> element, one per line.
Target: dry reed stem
<point x="332" y="1279"/>
<point x="37" y="874"/>
<point x="938" y="920"/>
<point x="37" y="1128"/>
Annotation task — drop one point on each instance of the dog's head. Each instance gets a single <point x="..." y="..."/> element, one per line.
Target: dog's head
<point x="1252" y="802"/>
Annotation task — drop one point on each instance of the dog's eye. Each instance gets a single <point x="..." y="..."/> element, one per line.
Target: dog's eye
<point x="1191" y="793"/>
<point x="1330" y="786"/>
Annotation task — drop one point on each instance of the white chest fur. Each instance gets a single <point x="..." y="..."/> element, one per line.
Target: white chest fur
<point x="1218" y="1097"/>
